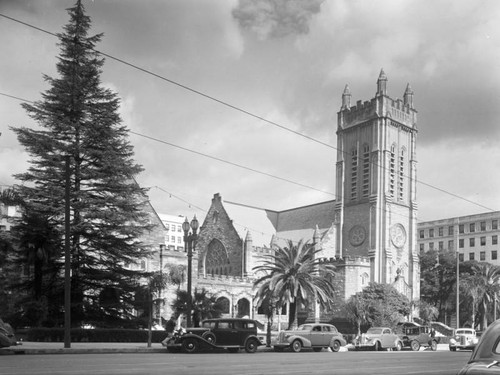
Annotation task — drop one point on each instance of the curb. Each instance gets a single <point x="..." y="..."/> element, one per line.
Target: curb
<point x="18" y="351"/>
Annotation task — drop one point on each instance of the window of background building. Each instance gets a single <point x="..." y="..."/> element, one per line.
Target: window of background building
<point x="471" y="256"/>
<point x="422" y="247"/>
<point x="441" y="245"/>
<point x="494" y="224"/>
<point x="472" y="227"/>
<point x="460" y="257"/>
<point x="494" y="255"/>
<point x="167" y="227"/>
<point x="440" y="230"/>
<point x="421" y="233"/>
<point x="431" y="245"/>
<point x="483" y="241"/>
<point x="461" y="228"/>
<point x="179" y="228"/>
<point x="450" y="245"/>
<point x="179" y="239"/>
<point x="172" y="239"/>
<point x="472" y="242"/>
<point x="450" y="230"/>
<point x="494" y="240"/>
<point x="461" y="243"/>
<point x="483" y="226"/>
<point x="431" y="232"/>
<point x="482" y="255"/>
<point x="167" y="238"/>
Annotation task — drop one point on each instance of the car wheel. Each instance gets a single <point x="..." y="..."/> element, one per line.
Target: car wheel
<point x="377" y="347"/>
<point x="415" y="345"/>
<point x="317" y="349"/>
<point x="335" y="346"/>
<point x="398" y="346"/>
<point x="251" y="346"/>
<point x="209" y="336"/>
<point x="453" y="349"/>
<point x="190" y="345"/>
<point x="434" y="345"/>
<point x="296" y="346"/>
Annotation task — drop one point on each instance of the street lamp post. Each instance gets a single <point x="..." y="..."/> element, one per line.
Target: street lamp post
<point x="190" y="247"/>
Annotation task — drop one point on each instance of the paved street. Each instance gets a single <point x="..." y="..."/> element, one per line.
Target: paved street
<point x="441" y="362"/>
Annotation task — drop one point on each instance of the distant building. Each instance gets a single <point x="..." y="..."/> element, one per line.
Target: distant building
<point x="476" y="236"/>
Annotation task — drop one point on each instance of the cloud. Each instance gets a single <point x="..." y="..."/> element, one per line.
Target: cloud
<point x="276" y="18"/>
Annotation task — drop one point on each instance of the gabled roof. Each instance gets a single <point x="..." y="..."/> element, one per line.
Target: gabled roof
<point x="293" y="224"/>
<point x="251" y="219"/>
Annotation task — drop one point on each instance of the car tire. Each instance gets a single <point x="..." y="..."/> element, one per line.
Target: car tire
<point x="296" y="346"/>
<point x="377" y="347"/>
<point x="398" y="347"/>
<point x="317" y="349"/>
<point x="434" y="345"/>
<point x="209" y="336"/>
<point x="335" y="346"/>
<point x="251" y="346"/>
<point x="415" y="345"/>
<point x="190" y="345"/>
<point x="453" y="349"/>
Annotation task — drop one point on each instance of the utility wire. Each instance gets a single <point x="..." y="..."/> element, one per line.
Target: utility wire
<point x="240" y="110"/>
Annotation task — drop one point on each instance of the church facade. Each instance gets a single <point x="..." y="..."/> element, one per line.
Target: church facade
<point x="369" y="231"/>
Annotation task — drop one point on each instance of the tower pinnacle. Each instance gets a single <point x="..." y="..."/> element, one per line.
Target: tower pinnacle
<point x="382" y="83"/>
<point x="346" y="98"/>
<point x="408" y="96"/>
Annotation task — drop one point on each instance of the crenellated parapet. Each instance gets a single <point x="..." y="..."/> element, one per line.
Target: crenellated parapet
<point x="224" y="279"/>
<point x="262" y="250"/>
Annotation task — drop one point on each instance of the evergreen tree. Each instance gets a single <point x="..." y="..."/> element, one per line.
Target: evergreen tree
<point x="78" y="121"/>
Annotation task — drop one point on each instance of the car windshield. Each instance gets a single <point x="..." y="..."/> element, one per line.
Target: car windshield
<point x="374" y="331"/>
<point x="304" y="327"/>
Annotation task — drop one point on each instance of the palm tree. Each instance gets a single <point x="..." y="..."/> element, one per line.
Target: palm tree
<point x="473" y="286"/>
<point x="488" y="278"/>
<point x="204" y="306"/>
<point x="295" y="275"/>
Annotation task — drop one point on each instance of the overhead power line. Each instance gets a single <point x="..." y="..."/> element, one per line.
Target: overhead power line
<point x="237" y="109"/>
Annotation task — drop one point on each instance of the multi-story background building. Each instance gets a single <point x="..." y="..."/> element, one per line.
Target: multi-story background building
<point x="476" y="236"/>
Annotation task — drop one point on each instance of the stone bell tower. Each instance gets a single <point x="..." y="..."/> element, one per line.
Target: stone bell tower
<point x="376" y="208"/>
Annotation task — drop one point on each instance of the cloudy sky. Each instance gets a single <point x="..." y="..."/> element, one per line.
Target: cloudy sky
<point x="223" y="66"/>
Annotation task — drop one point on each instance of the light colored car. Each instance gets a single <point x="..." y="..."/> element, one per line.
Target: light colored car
<point x="313" y="335"/>
<point x="486" y="356"/>
<point x="378" y="338"/>
<point x="464" y="338"/>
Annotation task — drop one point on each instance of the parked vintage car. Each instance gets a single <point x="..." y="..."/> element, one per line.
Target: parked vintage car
<point x="378" y="338"/>
<point x="232" y="334"/>
<point x="7" y="337"/>
<point x="419" y="336"/>
<point x="315" y="336"/>
<point x="486" y="356"/>
<point x="464" y="338"/>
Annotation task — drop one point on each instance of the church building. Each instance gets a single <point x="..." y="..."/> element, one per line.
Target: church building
<point x="369" y="231"/>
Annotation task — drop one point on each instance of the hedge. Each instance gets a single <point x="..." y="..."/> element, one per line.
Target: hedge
<point x="90" y="335"/>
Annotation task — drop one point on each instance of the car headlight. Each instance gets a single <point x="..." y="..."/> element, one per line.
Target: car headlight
<point x="453" y="341"/>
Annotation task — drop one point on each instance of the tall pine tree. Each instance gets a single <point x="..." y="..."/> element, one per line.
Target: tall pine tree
<point x="79" y="118"/>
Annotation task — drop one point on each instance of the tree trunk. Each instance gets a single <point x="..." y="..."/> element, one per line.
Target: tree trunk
<point x="292" y="316"/>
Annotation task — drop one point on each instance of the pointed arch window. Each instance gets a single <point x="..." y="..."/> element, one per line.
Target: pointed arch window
<point x="366" y="171"/>
<point x="216" y="258"/>
<point x="401" y="173"/>
<point x="354" y="174"/>
<point x="392" y="170"/>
